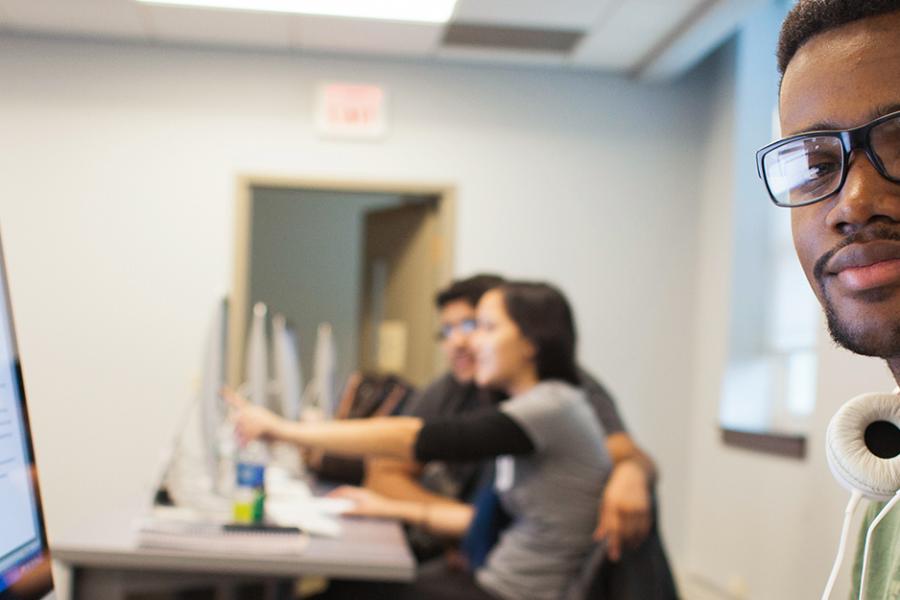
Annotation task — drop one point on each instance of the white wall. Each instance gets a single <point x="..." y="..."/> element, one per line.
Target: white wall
<point x="117" y="186"/>
<point x="759" y="526"/>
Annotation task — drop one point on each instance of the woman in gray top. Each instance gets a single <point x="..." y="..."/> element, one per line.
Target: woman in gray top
<point x="551" y="462"/>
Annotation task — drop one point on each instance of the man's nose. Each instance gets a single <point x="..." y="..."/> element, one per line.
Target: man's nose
<point x="458" y="337"/>
<point x="865" y="196"/>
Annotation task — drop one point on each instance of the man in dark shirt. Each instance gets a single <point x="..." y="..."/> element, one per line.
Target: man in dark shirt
<point x="625" y="509"/>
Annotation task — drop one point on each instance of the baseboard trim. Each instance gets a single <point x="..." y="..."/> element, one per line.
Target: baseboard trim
<point x="694" y="586"/>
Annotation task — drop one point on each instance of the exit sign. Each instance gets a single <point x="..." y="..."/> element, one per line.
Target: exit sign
<point x="351" y="110"/>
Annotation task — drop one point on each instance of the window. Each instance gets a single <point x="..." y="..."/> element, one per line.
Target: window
<point x="768" y="388"/>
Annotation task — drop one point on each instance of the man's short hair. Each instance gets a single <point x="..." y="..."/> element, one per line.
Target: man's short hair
<point x="809" y="18"/>
<point x="470" y="289"/>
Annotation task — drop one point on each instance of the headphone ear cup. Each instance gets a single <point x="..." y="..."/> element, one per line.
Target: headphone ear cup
<point x="851" y="462"/>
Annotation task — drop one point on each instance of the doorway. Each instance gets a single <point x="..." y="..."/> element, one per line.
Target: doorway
<point x="367" y="258"/>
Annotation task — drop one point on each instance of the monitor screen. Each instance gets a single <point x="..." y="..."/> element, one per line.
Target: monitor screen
<point x="24" y="560"/>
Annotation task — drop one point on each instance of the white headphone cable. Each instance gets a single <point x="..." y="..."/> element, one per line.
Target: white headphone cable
<point x="881" y="515"/>
<point x="855" y="497"/>
<point x="870" y="531"/>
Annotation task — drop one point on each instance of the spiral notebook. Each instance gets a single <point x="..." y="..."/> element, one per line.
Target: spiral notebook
<point x="214" y="538"/>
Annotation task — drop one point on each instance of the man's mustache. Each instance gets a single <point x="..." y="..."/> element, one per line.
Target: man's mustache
<point x="868" y="234"/>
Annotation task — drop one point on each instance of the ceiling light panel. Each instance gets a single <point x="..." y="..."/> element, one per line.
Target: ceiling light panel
<point x="423" y="11"/>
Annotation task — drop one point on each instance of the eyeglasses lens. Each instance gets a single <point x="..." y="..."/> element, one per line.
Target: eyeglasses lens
<point x="804" y="170"/>
<point x="885" y="140"/>
<point x="465" y="327"/>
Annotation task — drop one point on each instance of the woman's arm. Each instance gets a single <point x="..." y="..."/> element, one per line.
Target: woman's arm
<point x="392" y="437"/>
<point x="444" y="517"/>
<point x="476" y="436"/>
<point x="398" y="479"/>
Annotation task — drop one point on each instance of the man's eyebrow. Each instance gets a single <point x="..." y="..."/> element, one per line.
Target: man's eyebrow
<point x="884" y="109"/>
<point x="878" y="111"/>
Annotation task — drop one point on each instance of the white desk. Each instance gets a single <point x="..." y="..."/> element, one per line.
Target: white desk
<point x="105" y="561"/>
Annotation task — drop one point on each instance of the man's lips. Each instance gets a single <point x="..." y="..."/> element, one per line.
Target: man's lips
<point x="463" y="359"/>
<point x="869" y="265"/>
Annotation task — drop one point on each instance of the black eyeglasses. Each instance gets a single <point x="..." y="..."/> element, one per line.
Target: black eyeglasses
<point x="810" y="167"/>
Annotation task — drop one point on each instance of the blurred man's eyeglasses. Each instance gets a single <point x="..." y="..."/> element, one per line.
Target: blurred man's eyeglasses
<point x="810" y="167"/>
<point x="465" y="327"/>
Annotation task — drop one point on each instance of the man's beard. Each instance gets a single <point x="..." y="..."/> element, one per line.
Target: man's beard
<point x="861" y="337"/>
<point x="882" y="342"/>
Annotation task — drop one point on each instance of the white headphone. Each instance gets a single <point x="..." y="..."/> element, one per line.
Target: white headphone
<point x="862" y="445"/>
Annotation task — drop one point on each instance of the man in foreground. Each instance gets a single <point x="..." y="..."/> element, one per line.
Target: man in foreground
<point x="840" y="61"/>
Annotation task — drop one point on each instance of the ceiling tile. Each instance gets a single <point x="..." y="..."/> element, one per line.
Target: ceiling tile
<point x="627" y="36"/>
<point x="707" y="31"/>
<point x="225" y="27"/>
<point x="620" y="34"/>
<point x="367" y="36"/>
<point x="118" y="18"/>
<point x="562" y="14"/>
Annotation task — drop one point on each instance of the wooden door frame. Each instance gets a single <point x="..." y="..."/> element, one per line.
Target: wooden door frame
<point x="238" y="298"/>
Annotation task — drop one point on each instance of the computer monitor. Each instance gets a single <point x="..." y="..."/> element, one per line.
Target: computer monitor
<point x="286" y="363"/>
<point x="24" y="558"/>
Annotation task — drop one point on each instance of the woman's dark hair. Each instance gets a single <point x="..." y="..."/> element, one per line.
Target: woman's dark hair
<point x="544" y="317"/>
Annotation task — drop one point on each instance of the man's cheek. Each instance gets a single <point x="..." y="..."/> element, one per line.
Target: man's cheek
<point x="805" y="242"/>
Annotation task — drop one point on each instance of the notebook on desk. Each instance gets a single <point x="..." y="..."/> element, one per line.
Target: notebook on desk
<point x="215" y="538"/>
<point x="24" y="558"/>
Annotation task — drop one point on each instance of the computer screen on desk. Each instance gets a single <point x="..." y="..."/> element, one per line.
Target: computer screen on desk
<point x="24" y="560"/>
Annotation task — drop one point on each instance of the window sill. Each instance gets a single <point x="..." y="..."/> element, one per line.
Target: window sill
<point x="779" y="444"/>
